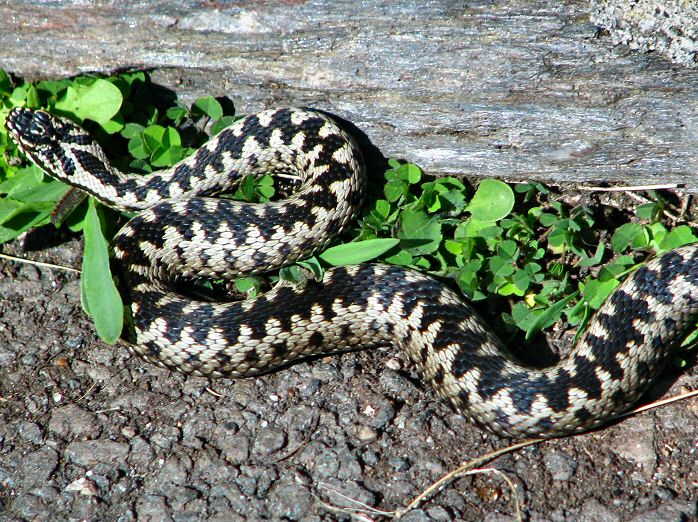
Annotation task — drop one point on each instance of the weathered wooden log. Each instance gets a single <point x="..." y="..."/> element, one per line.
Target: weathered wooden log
<point x="522" y="89"/>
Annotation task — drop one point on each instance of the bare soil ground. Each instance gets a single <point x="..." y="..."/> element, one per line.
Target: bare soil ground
<point x="88" y="432"/>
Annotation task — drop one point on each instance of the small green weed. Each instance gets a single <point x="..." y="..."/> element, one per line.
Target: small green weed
<point x="495" y="243"/>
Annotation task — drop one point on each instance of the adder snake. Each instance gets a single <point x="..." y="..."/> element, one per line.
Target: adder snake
<point x="181" y="231"/>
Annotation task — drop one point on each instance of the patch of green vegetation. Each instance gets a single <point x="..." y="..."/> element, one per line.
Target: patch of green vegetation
<point x="496" y="243"/>
<point x="140" y="127"/>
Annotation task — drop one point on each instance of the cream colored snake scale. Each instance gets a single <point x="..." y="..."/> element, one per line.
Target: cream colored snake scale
<point x="183" y="231"/>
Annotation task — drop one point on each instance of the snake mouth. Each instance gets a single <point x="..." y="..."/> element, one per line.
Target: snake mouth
<point x="31" y="129"/>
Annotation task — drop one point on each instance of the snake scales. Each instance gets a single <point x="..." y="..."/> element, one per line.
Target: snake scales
<point x="182" y="231"/>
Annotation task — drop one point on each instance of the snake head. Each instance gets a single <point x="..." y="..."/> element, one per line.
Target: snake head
<point x="33" y="130"/>
<point x="44" y="137"/>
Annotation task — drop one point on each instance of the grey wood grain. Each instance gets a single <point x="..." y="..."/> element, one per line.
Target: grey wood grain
<point x="517" y="89"/>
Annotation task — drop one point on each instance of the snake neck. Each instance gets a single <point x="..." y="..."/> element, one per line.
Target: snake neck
<point x="293" y="144"/>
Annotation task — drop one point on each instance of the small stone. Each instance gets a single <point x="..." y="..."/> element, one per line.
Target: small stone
<point x="692" y="406"/>
<point x="72" y="422"/>
<point x="153" y="508"/>
<point x="349" y="467"/>
<point x="301" y="418"/>
<point x="7" y="480"/>
<point x="165" y="438"/>
<point x="670" y="511"/>
<point x="664" y="493"/>
<point x="439" y="513"/>
<point x="290" y="502"/>
<point x="89" y="453"/>
<point x="370" y="457"/>
<point x="84" y="486"/>
<point x="394" y="364"/>
<point x="141" y="454"/>
<point x="38" y="466"/>
<point x="636" y="444"/>
<point x="30" y="431"/>
<point x="128" y="432"/>
<point x="366" y="434"/>
<point x="338" y="491"/>
<point x="499" y="517"/>
<point x="326" y="464"/>
<point x="560" y="465"/>
<point x="234" y="445"/>
<point x="378" y="412"/>
<point x="48" y="493"/>
<point x="29" y="272"/>
<point x="399" y="463"/>
<point x="310" y="388"/>
<point x="29" y="507"/>
<point x="269" y="441"/>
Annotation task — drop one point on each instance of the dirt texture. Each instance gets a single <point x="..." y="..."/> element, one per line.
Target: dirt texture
<point x="88" y="432"/>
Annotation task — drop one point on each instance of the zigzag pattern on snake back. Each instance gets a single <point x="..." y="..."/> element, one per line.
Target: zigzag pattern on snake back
<point x="182" y="231"/>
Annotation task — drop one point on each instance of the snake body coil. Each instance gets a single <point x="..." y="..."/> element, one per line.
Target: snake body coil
<point x="182" y="231"/>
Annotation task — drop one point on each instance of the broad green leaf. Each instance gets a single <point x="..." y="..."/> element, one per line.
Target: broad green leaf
<point x="293" y="274"/>
<point x="19" y="95"/>
<point x="414" y="173"/>
<point x="509" y="289"/>
<point x="471" y="228"/>
<point x="49" y="191"/>
<point x="170" y="138"/>
<point x="207" y="105"/>
<point x="26" y="178"/>
<point x="165" y="157"/>
<point x="100" y="297"/>
<point x="16" y="217"/>
<point x="138" y="148"/>
<point x="493" y="200"/>
<point x="547" y="219"/>
<point x="98" y="101"/>
<point x="9" y="208"/>
<point x="468" y="278"/>
<point x="453" y="247"/>
<point x="394" y="190"/>
<point x="402" y="258"/>
<point x="357" y="252"/>
<point x="596" y="292"/>
<point x="222" y="123"/>
<point x="176" y="114"/>
<point x="419" y="233"/>
<point x="679" y="236"/>
<point x="132" y="130"/>
<point x="17" y="214"/>
<point x="114" y="125"/>
<point x="153" y="137"/>
<point x="649" y="211"/>
<point x="596" y="258"/>
<point x="33" y="101"/>
<point x="625" y="235"/>
<point x="23" y="222"/>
